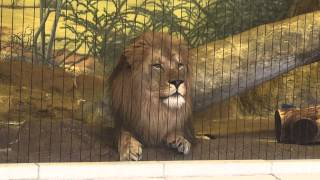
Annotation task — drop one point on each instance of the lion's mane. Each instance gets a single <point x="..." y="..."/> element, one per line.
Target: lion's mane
<point x="135" y="107"/>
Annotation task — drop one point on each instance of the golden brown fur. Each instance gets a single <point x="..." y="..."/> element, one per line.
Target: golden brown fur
<point x="151" y="97"/>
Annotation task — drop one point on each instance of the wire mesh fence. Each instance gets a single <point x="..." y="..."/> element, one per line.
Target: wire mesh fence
<point x="103" y="80"/>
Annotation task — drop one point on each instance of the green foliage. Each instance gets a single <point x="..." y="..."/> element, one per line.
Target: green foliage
<point x="105" y="33"/>
<point x="167" y="15"/>
<point x="222" y="18"/>
<point x="201" y="21"/>
<point x="102" y="32"/>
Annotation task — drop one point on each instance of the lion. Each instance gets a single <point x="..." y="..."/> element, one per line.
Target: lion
<point x="151" y="95"/>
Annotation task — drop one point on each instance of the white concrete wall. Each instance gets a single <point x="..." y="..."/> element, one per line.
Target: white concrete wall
<point x="249" y="169"/>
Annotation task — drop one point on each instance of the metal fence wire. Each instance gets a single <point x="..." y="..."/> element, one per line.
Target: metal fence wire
<point x="109" y="80"/>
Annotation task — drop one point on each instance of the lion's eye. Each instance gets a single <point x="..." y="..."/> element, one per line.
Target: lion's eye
<point x="180" y="66"/>
<point x="157" y="66"/>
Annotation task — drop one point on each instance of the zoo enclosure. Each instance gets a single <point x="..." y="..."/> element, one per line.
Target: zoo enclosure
<point x="56" y="57"/>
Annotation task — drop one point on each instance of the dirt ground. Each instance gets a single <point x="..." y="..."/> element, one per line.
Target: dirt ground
<point x="42" y="120"/>
<point x="42" y="115"/>
<point x="72" y="141"/>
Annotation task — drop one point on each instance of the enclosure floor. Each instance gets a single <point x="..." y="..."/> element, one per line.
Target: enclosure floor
<point x="69" y="140"/>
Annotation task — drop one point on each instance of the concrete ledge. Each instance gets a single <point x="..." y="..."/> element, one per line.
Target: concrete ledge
<point x="215" y="168"/>
<point x="160" y="169"/>
<point x="19" y="171"/>
<point x="295" y="167"/>
<point x="100" y="170"/>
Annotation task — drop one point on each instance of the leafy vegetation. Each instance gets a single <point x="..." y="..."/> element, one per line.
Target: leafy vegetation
<point x="200" y="22"/>
<point x="105" y="32"/>
<point x="99" y="30"/>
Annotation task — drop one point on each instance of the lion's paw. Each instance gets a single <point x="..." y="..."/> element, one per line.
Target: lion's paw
<point x="131" y="152"/>
<point x="181" y="144"/>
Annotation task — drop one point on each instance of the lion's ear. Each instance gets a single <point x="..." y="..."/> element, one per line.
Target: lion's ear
<point x="126" y="56"/>
<point x="135" y="52"/>
<point x="124" y="60"/>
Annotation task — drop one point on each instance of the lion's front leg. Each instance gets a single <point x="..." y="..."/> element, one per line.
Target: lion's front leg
<point x="129" y="148"/>
<point x="177" y="141"/>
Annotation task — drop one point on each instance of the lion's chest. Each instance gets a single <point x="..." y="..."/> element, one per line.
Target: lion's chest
<point x="155" y="123"/>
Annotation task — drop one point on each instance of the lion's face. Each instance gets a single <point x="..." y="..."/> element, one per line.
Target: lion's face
<point x="159" y="70"/>
<point x="161" y="65"/>
<point x="167" y="77"/>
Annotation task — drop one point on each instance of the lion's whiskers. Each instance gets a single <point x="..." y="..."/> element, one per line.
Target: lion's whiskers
<point x="174" y="101"/>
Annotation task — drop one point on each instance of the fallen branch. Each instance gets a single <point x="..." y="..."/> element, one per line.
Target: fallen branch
<point x="295" y="125"/>
<point x="238" y="63"/>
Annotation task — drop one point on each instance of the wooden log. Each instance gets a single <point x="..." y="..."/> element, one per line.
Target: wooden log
<point x="233" y="65"/>
<point x="299" y="126"/>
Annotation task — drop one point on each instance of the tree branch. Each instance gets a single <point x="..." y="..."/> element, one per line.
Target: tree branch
<point x="40" y="30"/>
<point x="238" y="63"/>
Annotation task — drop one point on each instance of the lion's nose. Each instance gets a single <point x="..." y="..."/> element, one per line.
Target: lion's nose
<point x="176" y="83"/>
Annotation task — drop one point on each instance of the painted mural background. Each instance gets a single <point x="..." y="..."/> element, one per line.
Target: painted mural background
<point x="56" y="57"/>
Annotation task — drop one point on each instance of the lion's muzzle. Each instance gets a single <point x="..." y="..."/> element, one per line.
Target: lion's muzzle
<point x="175" y="97"/>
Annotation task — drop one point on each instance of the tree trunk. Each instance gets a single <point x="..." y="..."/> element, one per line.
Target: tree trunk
<point x="238" y="63"/>
<point x="53" y="31"/>
<point x="43" y="30"/>
<point x="36" y="35"/>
